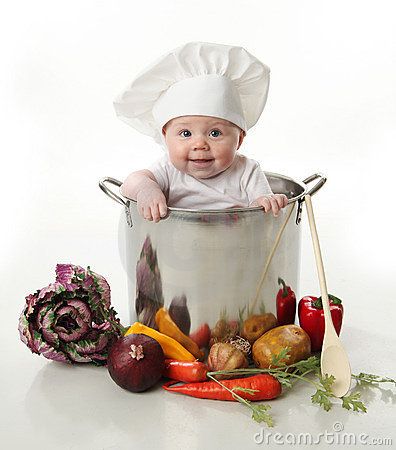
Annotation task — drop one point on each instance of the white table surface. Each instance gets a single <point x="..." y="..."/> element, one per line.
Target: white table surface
<point x="48" y="405"/>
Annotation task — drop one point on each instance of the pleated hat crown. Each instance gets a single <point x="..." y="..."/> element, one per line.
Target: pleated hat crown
<point x="198" y="78"/>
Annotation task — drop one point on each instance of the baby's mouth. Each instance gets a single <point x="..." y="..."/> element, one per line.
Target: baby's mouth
<point x="202" y="160"/>
<point x="201" y="163"/>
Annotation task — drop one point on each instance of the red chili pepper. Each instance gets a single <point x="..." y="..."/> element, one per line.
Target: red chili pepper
<point x="267" y="388"/>
<point x="285" y="304"/>
<point x="189" y="372"/>
<point x="311" y="315"/>
<point x="201" y="336"/>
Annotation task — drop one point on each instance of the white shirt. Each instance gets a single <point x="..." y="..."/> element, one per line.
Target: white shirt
<point x="238" y="186"/>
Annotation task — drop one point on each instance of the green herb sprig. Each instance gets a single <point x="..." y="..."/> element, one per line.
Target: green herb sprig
<point x="307" y="370"/>
<point x="370" y="379"/>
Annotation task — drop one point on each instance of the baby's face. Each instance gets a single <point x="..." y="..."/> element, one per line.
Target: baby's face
<point x="202" y="146"/>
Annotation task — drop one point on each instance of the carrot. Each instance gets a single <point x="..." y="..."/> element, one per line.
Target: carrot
<point x="189" y="372"/>
<point x="265" y="387"/>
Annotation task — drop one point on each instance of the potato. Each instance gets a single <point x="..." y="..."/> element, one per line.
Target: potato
<point x="256" y="325"/>
<point x="273" y="341"/>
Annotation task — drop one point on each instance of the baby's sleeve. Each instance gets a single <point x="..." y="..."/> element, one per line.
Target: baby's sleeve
<point x="257" y="184"/>
<point x="160" y="170"/>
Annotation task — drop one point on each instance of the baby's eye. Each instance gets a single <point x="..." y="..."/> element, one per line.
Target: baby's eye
<point x="185" y="131"/>
<point x="216" y="131"/>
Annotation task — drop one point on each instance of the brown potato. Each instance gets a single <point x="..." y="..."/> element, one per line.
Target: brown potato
<point x="273" y="341"/>
<point x="256" y="325"/>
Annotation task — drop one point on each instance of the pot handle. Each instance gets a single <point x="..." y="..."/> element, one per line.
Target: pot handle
<point x="317" y="186"/>
<point x="313" y="190"/>
<point x="109" y="192"/>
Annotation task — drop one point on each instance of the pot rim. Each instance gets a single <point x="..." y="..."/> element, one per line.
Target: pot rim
<point x="125" y="201"/>
<point x="231" y="210"/>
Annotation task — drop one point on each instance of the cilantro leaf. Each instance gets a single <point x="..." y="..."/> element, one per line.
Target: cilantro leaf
<point x="352" y="401"/>
<point x="327" y="382"/>
<point x="305" y="365"/>
<point x="283" y="378"/>
<point x="280" y="358"/>
<point x="322" y="399"/>
<point x="261" y="414"/>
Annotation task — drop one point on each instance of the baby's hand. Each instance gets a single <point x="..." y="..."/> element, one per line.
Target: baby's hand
<point x="151" y="203"/>
<point x="275" y="202"/>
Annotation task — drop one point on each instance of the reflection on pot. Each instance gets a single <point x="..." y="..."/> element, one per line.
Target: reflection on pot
<point x="149" y="296"/>
<point x="179" y="313"/>
<point x="250" y="324"/>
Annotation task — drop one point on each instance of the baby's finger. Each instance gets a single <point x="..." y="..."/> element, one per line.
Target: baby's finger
<point x="280" y="199"/>
<point x="163" y="209"/>
<point x="147" y="213"/>
<point x="274" y="206"/>
<point x="285" y="200"/>
<point x="155" y="213"/>
<point x="266" y="204"/>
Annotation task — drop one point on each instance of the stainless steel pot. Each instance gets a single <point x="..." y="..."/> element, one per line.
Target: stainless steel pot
<point x="213" y="263"/>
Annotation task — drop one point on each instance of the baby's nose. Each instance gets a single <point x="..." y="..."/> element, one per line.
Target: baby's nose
<point x="200" y="143"/>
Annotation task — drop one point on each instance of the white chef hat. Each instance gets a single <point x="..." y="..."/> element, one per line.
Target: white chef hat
<point x="198" y="78"/>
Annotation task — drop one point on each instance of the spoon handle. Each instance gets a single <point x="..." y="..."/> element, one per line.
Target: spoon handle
<point x="319" y="266"/>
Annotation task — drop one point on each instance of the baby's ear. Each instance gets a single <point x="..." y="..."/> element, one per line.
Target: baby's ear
<point x="242" y="135"/>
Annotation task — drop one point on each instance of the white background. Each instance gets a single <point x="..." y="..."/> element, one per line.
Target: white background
<point x="331" y="108"/>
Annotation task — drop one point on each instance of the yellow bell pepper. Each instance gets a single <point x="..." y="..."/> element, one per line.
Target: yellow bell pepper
<point x="167" y="326"/>
<point x="171" y="348"/>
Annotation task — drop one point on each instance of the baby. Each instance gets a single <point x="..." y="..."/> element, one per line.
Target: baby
<point x="202" y="160"/>
<point x="201" y="121"/>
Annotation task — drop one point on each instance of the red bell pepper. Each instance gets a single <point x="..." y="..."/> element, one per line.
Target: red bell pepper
<point x="285" y="304"/>
<point x="311" y="316"/>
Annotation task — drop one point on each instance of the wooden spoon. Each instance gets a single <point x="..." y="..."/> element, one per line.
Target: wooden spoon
<point x="334" y="359"/>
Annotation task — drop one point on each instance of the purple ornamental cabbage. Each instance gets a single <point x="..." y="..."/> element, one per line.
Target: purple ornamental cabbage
<point x="71" y="320"/>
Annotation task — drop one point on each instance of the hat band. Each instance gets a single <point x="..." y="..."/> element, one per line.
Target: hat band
<point x="205" y="95"/>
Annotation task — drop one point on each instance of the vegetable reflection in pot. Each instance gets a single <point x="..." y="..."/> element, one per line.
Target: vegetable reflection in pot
<point x="149" y="297"/>
<point x="179" y="313"/>
<point x="285" y="304"/>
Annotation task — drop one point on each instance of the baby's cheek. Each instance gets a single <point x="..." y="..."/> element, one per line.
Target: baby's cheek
<point x="226" y="157"/>
<point x="179" y="161"/>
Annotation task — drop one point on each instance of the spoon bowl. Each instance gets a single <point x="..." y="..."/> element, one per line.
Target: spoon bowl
<point x="334" y="361"/>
